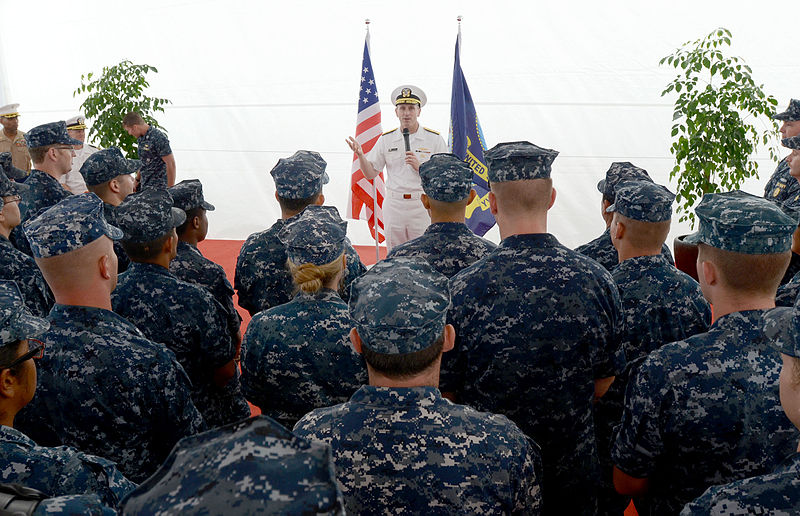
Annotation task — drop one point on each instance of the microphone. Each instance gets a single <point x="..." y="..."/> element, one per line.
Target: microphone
<point x="405" y="138"/>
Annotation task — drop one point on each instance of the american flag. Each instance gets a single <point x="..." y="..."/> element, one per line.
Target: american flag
<point x="363" y="204"/>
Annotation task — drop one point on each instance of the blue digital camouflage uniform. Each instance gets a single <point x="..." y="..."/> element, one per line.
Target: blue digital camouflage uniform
<point x="536" y="325"/>
<point x="59" y="471"/>
<point x="105" y="389"/>
<point x="10" y="170"/>
<point x="185" y="318"/>
<point x="781" y="186"/>
<point x="182" y="316"/>
<point x="190" y="264"/>
<point x="262" y="279"/>
<point x="45" y="190"/>
<point x="660" y="305"/>
<point x="448" y="246"/>
<point x="18" y="266"/>
<point x="792" y="269"/>
<point x="776" y="494"/>
<point x="705" y="410"/>
<point x="297" y="357"/>
<point x="601" y="249"/>
<point x="788" y="294"/>
<point x="153" y="146"/>
<point x="74" y="505"/>
<point x="250" y="467"/>
<point x="410" y="451"/>
<point x="101" y="167"/>
<point x="123" y="262"/>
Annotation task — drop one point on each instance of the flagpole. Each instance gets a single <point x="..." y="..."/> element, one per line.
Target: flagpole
<point x="374" y="186"/>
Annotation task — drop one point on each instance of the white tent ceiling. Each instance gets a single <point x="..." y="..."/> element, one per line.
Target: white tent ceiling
<point x="253" y="81"/>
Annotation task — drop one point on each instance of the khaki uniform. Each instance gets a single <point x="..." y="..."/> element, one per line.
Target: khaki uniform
<point x="18" y="149"/>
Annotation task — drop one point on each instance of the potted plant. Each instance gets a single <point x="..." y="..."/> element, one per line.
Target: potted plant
<point x="720" y="116"/>
<point x="118" y="90"/>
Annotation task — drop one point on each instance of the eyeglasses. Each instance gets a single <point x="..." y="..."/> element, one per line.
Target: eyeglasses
<point x="35" y="351"/>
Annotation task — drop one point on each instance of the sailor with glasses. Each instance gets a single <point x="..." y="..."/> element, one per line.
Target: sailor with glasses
<point x="54" y="471"/>
<point x="14" y="264"/>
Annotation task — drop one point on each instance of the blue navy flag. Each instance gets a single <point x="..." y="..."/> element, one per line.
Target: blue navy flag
<point x="466" y="142"/>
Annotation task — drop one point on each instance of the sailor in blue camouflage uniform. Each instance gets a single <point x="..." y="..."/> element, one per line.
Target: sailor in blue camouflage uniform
<point x="601" y="248"/>
<point x="778" y="492"/>
<point x="55" y="471"/>
<point x="782" y="186"/>
<point x="103" y="387"/>
<point x="109" y="175"/>
<point x="297" y="356"/>
<point x="660" y="304"/>
<point x="250" y="467"/>
<point x="158" y="163"/>
<point x="182" y="316"/>
<point x="51" y="151"/>
<point x="262" y="280"/>
<point x="190" y="264"/>
<point x="399" y="446"/>
<point x="447" y="244"/>
<point x="706" y="410"/>
<point x="14" y="264"/>
<point x="538" y="329"/>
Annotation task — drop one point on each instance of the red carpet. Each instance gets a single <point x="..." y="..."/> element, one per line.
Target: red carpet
<point x="225" y="252"/>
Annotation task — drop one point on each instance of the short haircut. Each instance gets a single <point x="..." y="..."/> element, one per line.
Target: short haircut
<point x="311" y="278"/>
<point x="524" y="196"/>
<point x="297" y="205"/>
<point x="406" y="365"/>
<point x="143" y="252"/>
<point x="37" y="153"/>
<point x="643" y="235"/>
<point x="449" y="208"/>
<point x="750" y="273"/>
<point x="9" y="353"/>
<point x="190" y="215"/>
<point x="99" y="190"/>
<point x="131" y="119"/>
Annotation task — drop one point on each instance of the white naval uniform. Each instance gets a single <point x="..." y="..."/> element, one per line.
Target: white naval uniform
<point x="405" y="217"/>
<point x="73" y="179"/>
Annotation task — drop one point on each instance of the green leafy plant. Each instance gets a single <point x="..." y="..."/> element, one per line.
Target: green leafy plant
<point x="720" y="116"/>
<point x="117" y="91"/>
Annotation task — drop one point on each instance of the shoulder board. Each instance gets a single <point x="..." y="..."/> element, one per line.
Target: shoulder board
<point x="431" y="130"/>
<point x="393" y="130"/>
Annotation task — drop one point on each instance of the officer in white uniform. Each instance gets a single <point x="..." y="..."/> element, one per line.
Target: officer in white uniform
<point x="405" y="216"/>
<point x="73" y="180"/>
